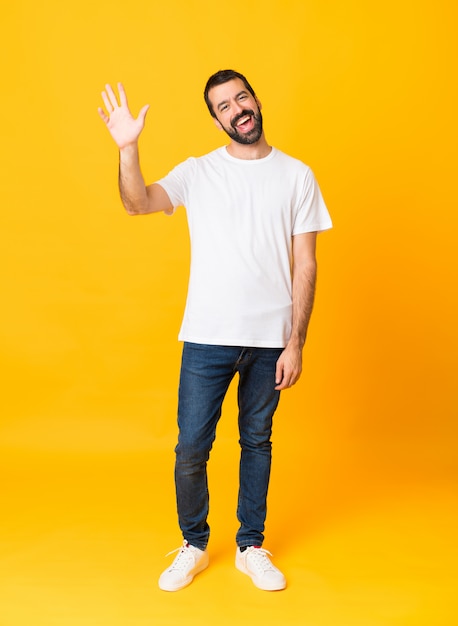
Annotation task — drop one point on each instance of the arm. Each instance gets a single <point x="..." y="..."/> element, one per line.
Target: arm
<point x="125" y="130"/>
<point x="289" y="365"/>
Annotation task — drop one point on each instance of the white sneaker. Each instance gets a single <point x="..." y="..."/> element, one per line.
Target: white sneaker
<point x="188" y="562"/>
<point x="255" y="562"/>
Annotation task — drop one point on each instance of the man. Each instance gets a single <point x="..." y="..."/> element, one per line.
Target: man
<point x="253" y="215"/>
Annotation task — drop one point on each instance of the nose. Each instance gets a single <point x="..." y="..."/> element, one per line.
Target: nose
<point x="237" y="107"/>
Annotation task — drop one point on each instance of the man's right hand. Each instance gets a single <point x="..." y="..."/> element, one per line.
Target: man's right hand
<point x="124" y="128"/>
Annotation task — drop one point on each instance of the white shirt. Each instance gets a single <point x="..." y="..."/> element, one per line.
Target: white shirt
<point x="242" y="215"/>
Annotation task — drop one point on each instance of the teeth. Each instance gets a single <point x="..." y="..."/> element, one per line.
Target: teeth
<point x="243" y="120"/>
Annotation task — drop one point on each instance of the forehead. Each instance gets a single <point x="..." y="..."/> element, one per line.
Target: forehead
<point x="226" y="91"/>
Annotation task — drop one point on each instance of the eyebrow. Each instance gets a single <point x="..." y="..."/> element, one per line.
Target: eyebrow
<point x="243" y="92"/>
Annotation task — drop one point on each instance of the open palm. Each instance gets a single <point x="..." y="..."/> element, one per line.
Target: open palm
<point x="124" y="128"/>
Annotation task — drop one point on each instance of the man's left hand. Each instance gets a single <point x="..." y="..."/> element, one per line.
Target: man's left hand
<point x="289" y="368"/>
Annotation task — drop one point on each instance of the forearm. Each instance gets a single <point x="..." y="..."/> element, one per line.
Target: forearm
<point x="304" y="281"/>
<point x="289" y="365"/>
<point x="131" y="183"/>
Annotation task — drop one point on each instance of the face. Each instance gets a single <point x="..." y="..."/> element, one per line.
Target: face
<point x="238" y="113"/>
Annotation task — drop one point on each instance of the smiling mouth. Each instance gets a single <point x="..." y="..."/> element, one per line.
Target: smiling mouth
<point x="245" y="123"/>
<point x="244" y="120"/>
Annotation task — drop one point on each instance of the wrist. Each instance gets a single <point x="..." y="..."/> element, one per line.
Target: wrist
<point x="128" y="151"/>
<point x="296" y="343"/>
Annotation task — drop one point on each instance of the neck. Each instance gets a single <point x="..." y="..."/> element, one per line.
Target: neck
<point x="253" y="151"/>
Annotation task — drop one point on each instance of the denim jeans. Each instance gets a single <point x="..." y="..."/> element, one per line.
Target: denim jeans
<point x="206" y="372"/>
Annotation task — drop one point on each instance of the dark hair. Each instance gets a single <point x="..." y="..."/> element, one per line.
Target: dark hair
<point x="221" y="77"/>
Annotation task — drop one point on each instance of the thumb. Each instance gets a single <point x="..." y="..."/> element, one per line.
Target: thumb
<point x="142" y="113"/>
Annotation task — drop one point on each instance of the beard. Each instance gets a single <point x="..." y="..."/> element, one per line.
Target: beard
<point x="246" y="138"/>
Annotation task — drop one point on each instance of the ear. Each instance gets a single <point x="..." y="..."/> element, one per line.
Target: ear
<point x="217" y="124"/>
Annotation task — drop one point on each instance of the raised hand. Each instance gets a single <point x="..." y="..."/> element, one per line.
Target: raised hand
<point x="124" y="128"/>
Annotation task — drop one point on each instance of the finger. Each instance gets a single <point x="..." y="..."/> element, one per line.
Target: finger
<point x="107" y="103"/>
<point x="122" y="95"/>
<point x="112" y="96"/>
<point x="142" y="113"/>
<point x="289" y="380"/>
<point x="282" y="385"/>
<point x="282" y="380"/>
<point x="285" y="383"/>
<point x="103" y="115"/>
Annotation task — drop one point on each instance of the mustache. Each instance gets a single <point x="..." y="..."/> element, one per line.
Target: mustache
<point x="238" y="117"/>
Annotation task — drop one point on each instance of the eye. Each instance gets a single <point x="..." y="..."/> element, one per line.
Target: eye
<point x="224" y="107"/>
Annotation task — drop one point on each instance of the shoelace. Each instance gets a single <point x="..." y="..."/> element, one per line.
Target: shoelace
<point x="260" y="560"/>
<point x="184" y="557"/>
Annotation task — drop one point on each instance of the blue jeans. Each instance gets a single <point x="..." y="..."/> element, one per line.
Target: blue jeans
<point x="206" y="372"/>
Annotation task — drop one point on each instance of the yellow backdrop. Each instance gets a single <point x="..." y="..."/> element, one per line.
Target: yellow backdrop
<point x="363" y="507"/>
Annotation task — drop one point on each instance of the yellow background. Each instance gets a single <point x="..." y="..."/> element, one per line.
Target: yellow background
<point x="363" y="505"/>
